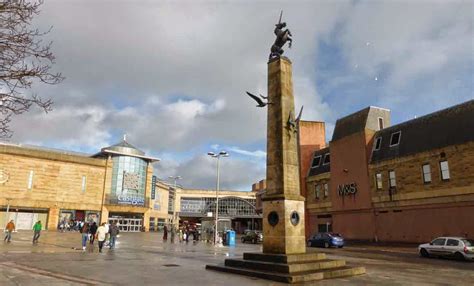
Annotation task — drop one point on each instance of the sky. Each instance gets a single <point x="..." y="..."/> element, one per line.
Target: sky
<point x="172" y="75"/>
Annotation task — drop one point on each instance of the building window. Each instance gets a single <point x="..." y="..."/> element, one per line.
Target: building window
<point x="327" y="159"/>
<point x="378" y="143"/>
<point x="84" y="181"/>
<point x="317" y="192"/>
<point x="378" y="181"/>
<point x="444" y="168"/>
<point x="426" y="173"/>
<point x="30" y="180"/>
<point x="316" y="161"/>
<point x="380" y="123"/>
<point x="392" y="179"/>
<point x="395" y="138"/>
<point x="326" y="190"/>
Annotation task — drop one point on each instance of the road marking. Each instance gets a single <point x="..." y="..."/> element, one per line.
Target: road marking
<point x="42" y="272"/>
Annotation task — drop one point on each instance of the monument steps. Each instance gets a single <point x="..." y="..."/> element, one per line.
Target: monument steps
<point x="299" y="277"/>
<point x="284" y="258"/>
<point x="294" y="267"/>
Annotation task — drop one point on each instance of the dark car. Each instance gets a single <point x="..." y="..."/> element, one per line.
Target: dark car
<point x="326" y="239"/>
<point x="252" y="236"/>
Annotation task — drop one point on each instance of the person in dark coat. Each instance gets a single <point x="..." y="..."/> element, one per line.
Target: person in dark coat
<point x="93" y="231"/>
<point x="165" y="233"/>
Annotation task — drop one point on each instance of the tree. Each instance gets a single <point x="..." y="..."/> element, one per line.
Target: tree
<point x="24" y="59"/>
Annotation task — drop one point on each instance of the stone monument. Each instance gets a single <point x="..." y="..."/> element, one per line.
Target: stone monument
<point x="284" y="256"/>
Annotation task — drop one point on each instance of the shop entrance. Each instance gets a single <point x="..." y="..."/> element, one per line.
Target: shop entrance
<point x="127" y="224"/>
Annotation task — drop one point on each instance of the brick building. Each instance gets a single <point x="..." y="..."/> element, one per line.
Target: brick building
<point x="408" y="182"/>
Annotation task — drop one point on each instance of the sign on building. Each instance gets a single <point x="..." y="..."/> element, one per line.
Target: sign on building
<point x="153" y="187"/>
<point x="347" y="189"/>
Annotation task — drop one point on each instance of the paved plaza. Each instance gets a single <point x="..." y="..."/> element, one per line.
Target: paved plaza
<point x="143" y="259"/>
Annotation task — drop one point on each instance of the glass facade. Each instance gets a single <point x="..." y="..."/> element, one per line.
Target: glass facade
<point x="128" y="180"/>
<point x="228" y="207"/>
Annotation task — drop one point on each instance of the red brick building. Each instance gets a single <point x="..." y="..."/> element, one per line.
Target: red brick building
<point x="408" y="182"/>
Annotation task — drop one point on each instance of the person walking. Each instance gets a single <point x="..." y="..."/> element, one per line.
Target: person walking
<point x="37" y="230"/>
<point x="113" y="232"/>
<point x="85" y="235"/>
<point x="101" y="232"/>
<point x="165" y="233"/>
<point x="93" y="231"/>
<point x="9" y="228"/>
<point x="180" y="234"/>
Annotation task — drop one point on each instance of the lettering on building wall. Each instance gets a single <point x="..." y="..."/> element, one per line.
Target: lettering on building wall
<point x="347" y="189"/>
<point x="128" y="200"/>
<point x="153" y="187"/>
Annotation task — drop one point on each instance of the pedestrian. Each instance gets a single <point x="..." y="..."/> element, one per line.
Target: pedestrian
<point x="180" y="234"/>
<point x="85" y="235"/>
<point x="37" y="229"/>
<point x="9" y="228"/>
<point x="113" y="231"/>
<point x="165" y="233"/>
<point x="93" y="231"/>
<point x="101" y="232"/>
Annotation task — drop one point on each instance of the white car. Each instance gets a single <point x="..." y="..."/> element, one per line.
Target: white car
<point x="458" y="247"/>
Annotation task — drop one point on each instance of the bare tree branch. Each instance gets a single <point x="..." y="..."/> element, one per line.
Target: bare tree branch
<point x="24" y="59"/>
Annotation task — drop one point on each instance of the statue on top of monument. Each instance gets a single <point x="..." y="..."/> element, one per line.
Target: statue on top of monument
<point x="282" y="36"/>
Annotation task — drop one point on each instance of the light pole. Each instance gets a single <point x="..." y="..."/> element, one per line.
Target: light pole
<point x="217" y="156"/>
<point x="175" y="178"/>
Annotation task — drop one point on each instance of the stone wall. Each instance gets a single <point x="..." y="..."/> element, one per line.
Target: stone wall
<point x="56" y="181"/>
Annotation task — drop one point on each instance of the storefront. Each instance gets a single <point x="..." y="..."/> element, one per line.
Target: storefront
<point x="127" y="222"/>
<point x="23" y="218"/>
<point x="78" y="215"/>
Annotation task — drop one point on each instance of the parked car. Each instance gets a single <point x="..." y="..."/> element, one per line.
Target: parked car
<point x="326" y="239"/>
<point x="458" y="247"/>
<point x="252" y="236"/>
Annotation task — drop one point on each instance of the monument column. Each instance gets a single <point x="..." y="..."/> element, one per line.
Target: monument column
<point x="283" y="205"/>
<point x="284" y="256"/>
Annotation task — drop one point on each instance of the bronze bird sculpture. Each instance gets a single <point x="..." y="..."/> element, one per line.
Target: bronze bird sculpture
<point x="259" y="101"/>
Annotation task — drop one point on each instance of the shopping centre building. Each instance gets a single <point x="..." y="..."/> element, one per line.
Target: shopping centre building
<point x="408" y="182"/>
<point x="56" y="186"/>
<point x="115" y="185"/>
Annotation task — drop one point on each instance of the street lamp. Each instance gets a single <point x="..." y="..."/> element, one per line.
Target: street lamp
<point x="175" y="178"/>
<point x="217" y="156"/>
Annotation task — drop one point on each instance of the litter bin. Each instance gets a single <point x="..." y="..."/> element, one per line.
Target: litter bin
<point x="231" y="238"/>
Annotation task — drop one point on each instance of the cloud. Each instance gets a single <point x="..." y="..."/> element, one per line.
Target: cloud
<point x="173" y="75"/>
<point x="257" y="153"/>
<point x="410" y="41"/>
<point x="200" y="172"/>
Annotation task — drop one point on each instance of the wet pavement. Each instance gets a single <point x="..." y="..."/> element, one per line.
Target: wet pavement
<point x="144" y="259"/>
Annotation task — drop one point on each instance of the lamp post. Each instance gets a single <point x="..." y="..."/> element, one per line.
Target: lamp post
<point x="175" y="178"/>
<point x="217" y="156"/>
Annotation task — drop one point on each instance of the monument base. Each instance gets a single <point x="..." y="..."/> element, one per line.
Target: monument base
<point x="292" y="268"/>
<point x="284" y="237"/>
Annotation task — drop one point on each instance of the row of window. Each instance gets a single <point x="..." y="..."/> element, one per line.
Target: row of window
<point x="394" y="140"/>
<point x="324" y="188"/>
<point x="317" y="160"/>
<point x="426" y="174"/>
<point x="32" y="174"/>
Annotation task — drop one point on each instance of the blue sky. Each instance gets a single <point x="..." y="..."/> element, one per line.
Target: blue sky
<point x="173" y="75"/>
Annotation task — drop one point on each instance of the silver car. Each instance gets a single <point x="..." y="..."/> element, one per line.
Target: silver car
<point x="458" y="247"/>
